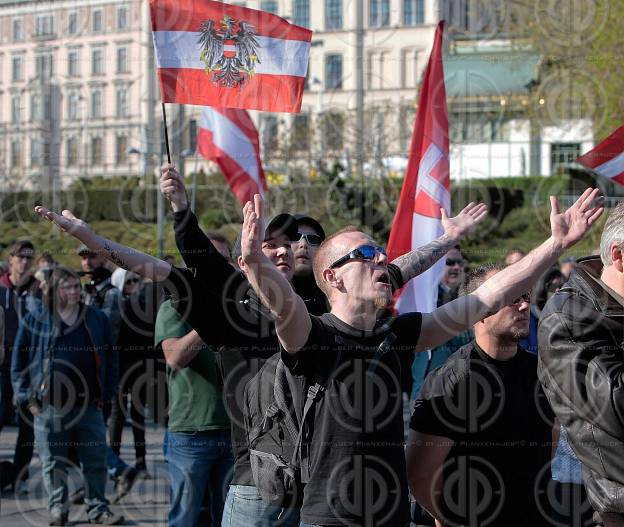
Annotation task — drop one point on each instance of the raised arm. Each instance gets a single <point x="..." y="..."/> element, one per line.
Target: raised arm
<point x="292" y="320"/>
<point x="195" y="247"/>
<point x="130" y="259"/>
<point x="567" y="229"/>
<point x="418" y="261"/>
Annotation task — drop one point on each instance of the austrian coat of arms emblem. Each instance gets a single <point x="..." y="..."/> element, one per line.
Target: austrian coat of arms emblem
<point x="229" y="51"/>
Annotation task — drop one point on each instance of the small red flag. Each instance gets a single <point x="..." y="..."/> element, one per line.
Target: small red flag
<point x="607" y="159"/>
<point x="229" y="138"/>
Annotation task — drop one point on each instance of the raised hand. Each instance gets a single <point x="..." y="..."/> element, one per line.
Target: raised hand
<point x="67" y="222"/>
<point x="570" y="226"/>
<point x="465" y="222"/>
<point x="172" y="187"/>
<point x="253" y="230"/>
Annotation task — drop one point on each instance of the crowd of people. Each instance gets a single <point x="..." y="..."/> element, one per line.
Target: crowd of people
<point x="287" y="369"/>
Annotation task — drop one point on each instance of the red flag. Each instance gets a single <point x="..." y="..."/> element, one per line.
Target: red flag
<point x="214" y="54"/>
<point x="607" y="159"/>
<point x="229" y="138"/>
<point x="427" y="185"/>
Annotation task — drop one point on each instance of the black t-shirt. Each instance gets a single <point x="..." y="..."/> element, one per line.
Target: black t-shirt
<point x="218" y="302"/>
<point x="501" y="423"/>
<point x="357" y="458"/>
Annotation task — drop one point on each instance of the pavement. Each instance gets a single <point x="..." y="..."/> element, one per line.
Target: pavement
<point x="146" y="504"/>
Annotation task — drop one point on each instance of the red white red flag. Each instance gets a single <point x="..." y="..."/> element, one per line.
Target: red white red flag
<point x="607" y="159"/>
<point x="426" y="187"/>
<point x="229" y="138"/>
<point x="214" y="54"/>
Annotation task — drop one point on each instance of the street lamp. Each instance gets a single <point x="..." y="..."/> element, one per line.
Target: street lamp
<point x="160" y="204"/>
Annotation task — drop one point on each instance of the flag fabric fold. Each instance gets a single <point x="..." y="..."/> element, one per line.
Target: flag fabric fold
<point x="214" y="54"/>
<point x="229" y="138"/>
<point x="426" y="187"/>
<point x="607" y="158"/>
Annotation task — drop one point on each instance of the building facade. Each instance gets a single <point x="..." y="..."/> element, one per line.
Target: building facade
<point x="73" y="90"/>
<point x="79" y="98"/>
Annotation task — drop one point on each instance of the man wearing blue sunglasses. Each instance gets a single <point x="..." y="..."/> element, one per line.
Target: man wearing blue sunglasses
<point x="357" y="470"/>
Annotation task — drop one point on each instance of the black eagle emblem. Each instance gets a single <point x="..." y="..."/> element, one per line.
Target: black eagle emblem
<point x="229" y="51"/>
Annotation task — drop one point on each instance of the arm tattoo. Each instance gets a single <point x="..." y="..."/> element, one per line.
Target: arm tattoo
<point x="115" y="257"/>
<point x="418" y="261"/>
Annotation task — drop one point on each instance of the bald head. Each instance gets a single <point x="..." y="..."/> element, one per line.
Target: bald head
<point x="332" y="248"/>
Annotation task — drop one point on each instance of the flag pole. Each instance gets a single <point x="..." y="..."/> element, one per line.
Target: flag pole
<point x="166" y="133"/>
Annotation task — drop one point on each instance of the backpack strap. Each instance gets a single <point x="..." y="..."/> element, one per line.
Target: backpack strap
<point x="383" y="348"/>
<point x="281" y="386"/>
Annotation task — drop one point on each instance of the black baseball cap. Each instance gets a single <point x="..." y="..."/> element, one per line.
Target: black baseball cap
<point x="83" y="249"/>
<point x="281" y="224"/>
<point x="304" y="219"/>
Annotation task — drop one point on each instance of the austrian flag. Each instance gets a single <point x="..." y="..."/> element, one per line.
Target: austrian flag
<point x="214" y="54"/>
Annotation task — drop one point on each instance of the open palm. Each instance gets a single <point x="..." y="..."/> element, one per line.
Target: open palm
<point x="465" y="222"/>
<point x="66" y="221"/>
<point x="570" y="226"/>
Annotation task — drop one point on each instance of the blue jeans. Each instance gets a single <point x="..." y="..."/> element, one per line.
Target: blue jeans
<point x="245" y="508"/>
<point x="198" y="462"/>
<point x="54" y="432"/>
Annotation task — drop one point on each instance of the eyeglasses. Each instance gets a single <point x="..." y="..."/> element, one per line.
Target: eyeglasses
<point x="526" y="297"/>
<point x="363" y="252"/>
<point x="312" y="239"/>
<point x="452" y="261"/>
<point x="132" y="281"/>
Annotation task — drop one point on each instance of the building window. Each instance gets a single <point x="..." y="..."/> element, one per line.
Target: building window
<point x="73" y="103"/>
<point x="333" y="72"/>
<point x="122" y="102"/>
<point x="122" y="17"/>
<point x="413" y="12"/>
<point x="96" y="103"/>
<point x="36" y="152"/>
<point x="379" y="13"/>
<point x="270" y="6"/>
<point x="409" y="69"/>
<point x="562" y="154"/>
<point x="18" y="29"/>
<point x="44" y="25"/>
<point x="97" y="16"/>
<point x="36" y="108"/>
<point x="72" y="64"/>
<point x="16" y="109"/>
<point x="97" y="62"/>
<point x="96" y="151"/>
<point x="122" y="60"/>
<point x="121" y="149"/>
<point x="301" y="132"/>
<point x="44" y="66"/>
<point x="16" y="154"/>
<point x="17" y="68"/>
<point x="269" y="134"/>
<point x="333" y="127"/>
<point x="333" y="14"/>
<point x="301" y="13"/>
<point x="71" y="151"/>
<point x="72" y="23"/>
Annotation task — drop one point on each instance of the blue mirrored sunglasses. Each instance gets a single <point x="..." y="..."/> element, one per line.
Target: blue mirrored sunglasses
<point x="363" y="252"/>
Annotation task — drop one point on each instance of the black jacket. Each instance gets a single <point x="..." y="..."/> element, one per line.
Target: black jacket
<point x="581" y="367"/>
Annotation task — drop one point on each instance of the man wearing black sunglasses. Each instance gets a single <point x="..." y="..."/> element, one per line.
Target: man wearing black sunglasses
<point x="357" y="472"/>
<point x="311" y="235"/>
<point x="484" y="409"/>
